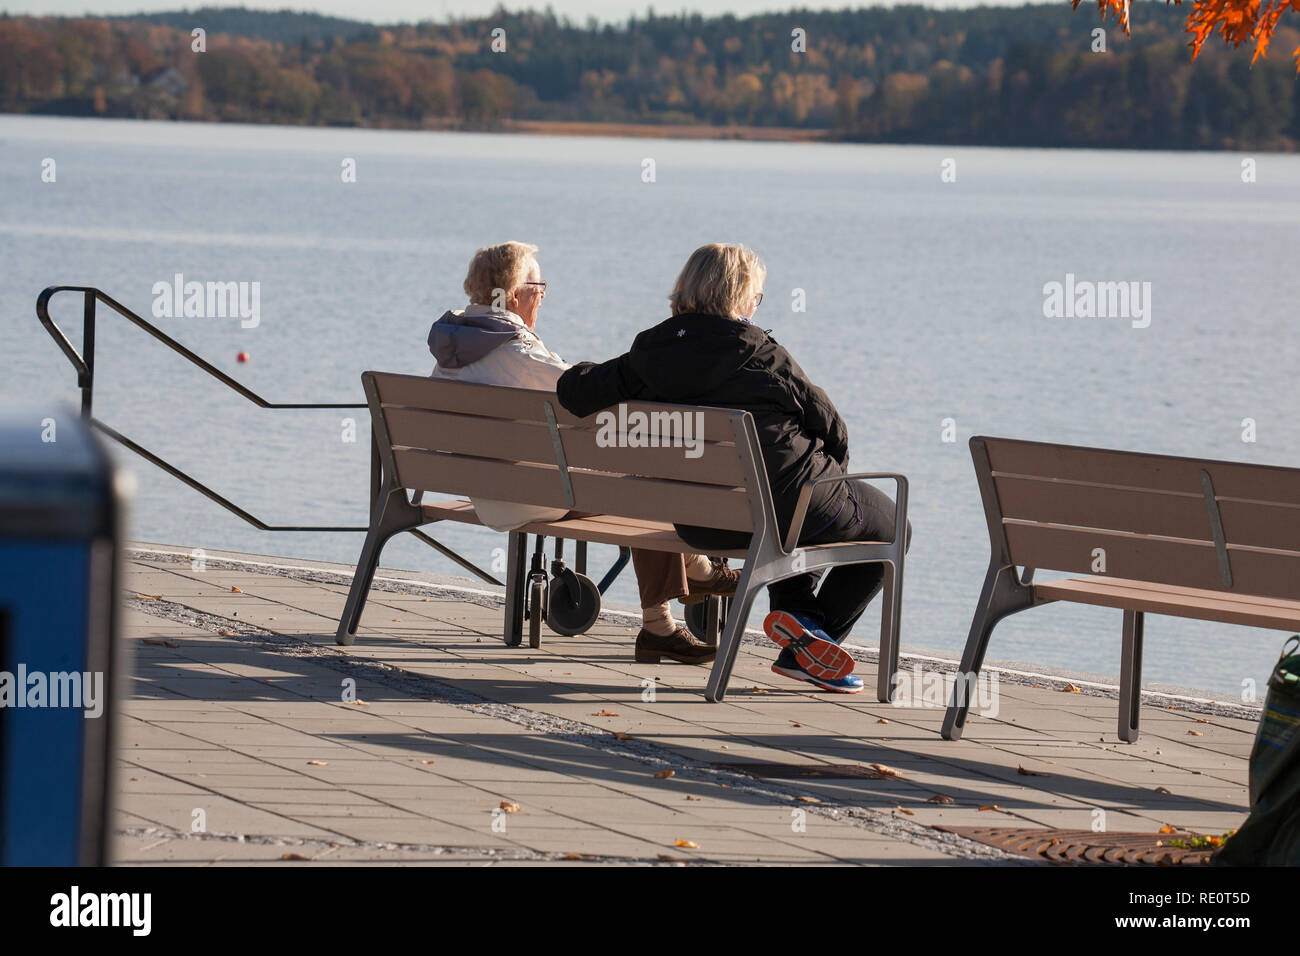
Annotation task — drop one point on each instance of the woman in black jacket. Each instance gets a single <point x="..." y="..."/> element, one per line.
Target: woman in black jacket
<point x="709" y="353"/>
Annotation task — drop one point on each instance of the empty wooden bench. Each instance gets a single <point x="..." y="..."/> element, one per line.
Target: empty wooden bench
<point x="520" y="445"/>
<point x="1214" y="540"/>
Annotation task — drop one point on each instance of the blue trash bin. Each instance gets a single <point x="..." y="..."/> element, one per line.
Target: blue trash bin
<point x="60" y="523"/>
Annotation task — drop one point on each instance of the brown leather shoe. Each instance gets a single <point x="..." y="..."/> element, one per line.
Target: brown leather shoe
<point x="680" y="646"/>
<point x="722" y="582"/>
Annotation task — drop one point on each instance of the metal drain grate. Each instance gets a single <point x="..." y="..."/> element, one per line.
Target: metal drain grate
<point x="1084" y="846"/>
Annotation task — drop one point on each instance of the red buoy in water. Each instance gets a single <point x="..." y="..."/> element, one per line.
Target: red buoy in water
<point x="241" y="357"/>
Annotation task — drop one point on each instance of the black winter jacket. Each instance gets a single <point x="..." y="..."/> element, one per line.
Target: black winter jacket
<point x="727" y="363"/>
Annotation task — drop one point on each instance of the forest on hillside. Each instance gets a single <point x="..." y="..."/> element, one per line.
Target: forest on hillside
<point x="1027" y="76"/>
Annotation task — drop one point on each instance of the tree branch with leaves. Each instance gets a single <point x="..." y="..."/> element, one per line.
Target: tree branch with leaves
<point x="1237" y="21"/>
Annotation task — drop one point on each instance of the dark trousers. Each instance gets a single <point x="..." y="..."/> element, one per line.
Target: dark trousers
<point x="868" y="514"/>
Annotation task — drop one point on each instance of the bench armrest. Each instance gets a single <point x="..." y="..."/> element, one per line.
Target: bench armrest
<point x="805" y="495"/>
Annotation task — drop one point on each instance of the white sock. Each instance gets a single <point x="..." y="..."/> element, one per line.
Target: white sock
<point x="698" y="567"/>
<point x="658" y="620"/>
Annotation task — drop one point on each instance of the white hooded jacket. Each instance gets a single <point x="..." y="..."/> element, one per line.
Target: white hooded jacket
<point x="490" y="346"/>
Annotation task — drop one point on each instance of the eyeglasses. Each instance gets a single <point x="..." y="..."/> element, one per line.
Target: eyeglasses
<point x="758" y="300"/>
<point x="542" y="284"/>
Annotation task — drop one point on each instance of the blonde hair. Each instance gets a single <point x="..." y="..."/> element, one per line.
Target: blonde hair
<point x="718" y="279"/>
<point x="503" y="266"/>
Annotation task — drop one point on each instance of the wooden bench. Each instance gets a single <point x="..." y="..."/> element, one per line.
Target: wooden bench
<point x="1214" y="540"/>
<point x="520" y="445"/>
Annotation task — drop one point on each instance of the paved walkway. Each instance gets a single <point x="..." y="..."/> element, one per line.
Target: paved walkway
<point x="250" y="737"/>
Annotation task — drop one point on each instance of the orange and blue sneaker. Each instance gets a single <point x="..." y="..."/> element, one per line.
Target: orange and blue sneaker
<point x="787" y="666"/>
<point x="816" y="654"/>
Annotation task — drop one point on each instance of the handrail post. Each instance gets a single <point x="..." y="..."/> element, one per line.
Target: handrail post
<point x="85" y="368"/>
<point x="87" y="382"/>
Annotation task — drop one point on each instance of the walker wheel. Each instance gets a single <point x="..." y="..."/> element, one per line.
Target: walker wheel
<point x="536" y="597"/>
<point x="565" y="615"/>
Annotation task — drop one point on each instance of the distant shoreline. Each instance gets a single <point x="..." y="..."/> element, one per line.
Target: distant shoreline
<point x="667" y="131"/>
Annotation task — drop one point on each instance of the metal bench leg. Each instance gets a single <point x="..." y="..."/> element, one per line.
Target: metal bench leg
<point x="1130" y="677"/>
<point x="737" y="616"/>
<point x="890" y="613"/>
<point x="516" y="585"/>
<point x="394" y="516"/>
<point x="712" y="617"/>
<point x="1003" y="594"/>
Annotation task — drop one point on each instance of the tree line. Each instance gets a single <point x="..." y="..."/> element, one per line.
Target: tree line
<point x="1039" y="75"/>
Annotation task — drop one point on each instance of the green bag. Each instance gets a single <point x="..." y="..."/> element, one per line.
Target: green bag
<point x="1271" y="834"/>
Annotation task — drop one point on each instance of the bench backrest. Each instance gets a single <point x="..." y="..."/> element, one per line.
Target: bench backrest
<point x="519" y="444"/>
<point x="1218" y="525"/>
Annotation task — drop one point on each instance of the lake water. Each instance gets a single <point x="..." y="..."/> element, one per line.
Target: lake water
<point x="924" y="301"/>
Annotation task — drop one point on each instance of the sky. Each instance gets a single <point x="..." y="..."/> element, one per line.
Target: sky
<point x="392" y="11"/>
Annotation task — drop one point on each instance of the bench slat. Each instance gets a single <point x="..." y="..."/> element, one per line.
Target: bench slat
<point x="1178" y="602"/>
<point x="1137" y="470"/>
<point x="1260" y="525"/>
<point x="1159" y="560"/>
<point x="514" y="404"/>
<point x="1174" y="589"/>
<point x="718" y="463"/>
<point x="525" y="483"/>
<point x="709" y="506"/>
<point x="469" y="435"/>
<point x="1055" y="501"/>
<point x="601" y="529"/>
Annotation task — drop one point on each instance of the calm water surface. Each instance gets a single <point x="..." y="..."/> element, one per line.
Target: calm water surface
<point x="924" y="301"/>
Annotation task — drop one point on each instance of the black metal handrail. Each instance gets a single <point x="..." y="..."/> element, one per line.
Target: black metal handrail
<point x="85" y="367"/>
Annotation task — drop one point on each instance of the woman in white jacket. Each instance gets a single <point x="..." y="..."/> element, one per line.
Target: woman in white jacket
<point x="493" y="341"/>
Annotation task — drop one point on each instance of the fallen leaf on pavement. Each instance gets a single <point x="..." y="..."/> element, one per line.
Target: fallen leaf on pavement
<point x="908" y="812"/>
<point x="509" y="806"/>
<point x="318" y="763"/>
<point x="604" y="713"/>
<point x="688" y="844"/>
<point x="880" y="768"/>
<point x="1196" y="733"/>
<point x="1163" y="790"/>
<point x="1070" y="689"/>
<point x="1167" y="829"/>
<point x="293" y="856"/>
<point x="664" y="774"/>
<point x="807" y="799"/>
<point x="158" y="642"/>
<point x="883" y="720"/>
<point x="149" y="597"/>
<point x="1029" y="773"/>
<point x="236" y="590"/>
<point x="941" y="798"/>
<point x="991" y="806"/>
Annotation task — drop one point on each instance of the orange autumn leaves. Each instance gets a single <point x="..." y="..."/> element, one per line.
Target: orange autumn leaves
<point x="1237" y="21"/>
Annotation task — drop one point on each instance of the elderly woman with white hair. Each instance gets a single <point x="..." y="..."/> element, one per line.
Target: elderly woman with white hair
<point x="494" y="341"/>
<point x="709" y="353"/>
